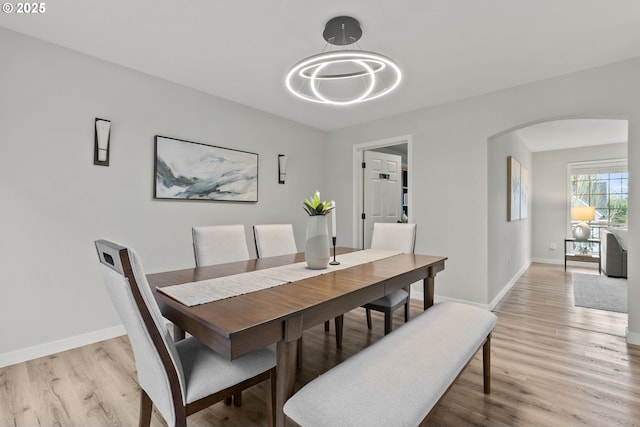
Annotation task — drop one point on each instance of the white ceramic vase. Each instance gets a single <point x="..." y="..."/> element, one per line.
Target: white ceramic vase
<point x="316" y="247"/>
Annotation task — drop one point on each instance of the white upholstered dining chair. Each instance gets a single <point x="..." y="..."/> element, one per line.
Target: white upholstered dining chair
<point x="178" y="378"/>
<point x="274" y="240"/>
<point x="218" y="244"/>
<point x="393" y="237"/>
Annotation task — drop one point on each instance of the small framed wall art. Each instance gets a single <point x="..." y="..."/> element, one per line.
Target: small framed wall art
<point x="513" y="189"/>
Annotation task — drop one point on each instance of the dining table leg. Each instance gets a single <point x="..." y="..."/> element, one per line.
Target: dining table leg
<point x="428" y="287"/>
<point x="286" y="355"/>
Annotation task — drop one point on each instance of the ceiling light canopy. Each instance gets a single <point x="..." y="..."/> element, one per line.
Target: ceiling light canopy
<point x="343" y="77"/>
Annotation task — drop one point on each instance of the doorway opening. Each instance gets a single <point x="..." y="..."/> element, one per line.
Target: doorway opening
<point x="382" y="181"/>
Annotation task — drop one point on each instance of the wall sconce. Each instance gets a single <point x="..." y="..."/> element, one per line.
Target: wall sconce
<point x="282" y="168"/>
<point x="101" y="147"/>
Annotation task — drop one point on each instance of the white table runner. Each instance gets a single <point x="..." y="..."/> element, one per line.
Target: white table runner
<point x="204" y="291"/>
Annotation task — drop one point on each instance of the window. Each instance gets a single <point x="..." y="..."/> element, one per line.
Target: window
<point x="603" y="185"/>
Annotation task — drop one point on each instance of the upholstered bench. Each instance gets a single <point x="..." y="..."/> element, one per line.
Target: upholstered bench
<point x="397" y="380"/>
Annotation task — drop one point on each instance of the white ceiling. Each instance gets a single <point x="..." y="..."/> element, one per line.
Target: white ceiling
<point x="572" y="133"/>
<point x="241" y="50"/>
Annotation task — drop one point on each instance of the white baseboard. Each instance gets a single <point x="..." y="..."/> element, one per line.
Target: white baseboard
<point x="53" y="347"/>
<point x="508" y="287"/>
<point x="439" y="299"/>
<point x="419" y="295"/>
<point x="548" y="261"/>
<point x="633" y="337"/>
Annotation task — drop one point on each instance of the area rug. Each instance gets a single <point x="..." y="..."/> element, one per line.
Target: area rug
<point x="600" y="292"/>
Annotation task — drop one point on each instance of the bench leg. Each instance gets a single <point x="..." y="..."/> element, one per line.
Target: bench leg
<point x="486" y="364"/>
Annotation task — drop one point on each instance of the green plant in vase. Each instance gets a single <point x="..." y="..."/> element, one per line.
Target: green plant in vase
<point x="314" y="206"/>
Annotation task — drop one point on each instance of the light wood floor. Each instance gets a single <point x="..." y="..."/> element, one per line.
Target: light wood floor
<point x="553" y="364"/>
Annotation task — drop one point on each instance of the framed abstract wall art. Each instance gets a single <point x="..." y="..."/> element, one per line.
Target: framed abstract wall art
<point x="524" y="191"/>
<point x="194" y="171"/>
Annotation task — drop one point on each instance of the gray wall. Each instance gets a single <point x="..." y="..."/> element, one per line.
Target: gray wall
<point x="56" y="202"/>
<point x="509" y="242"/>
<point x="450" y="167"/>
<point x="447" y="179"/>
<point x="550" y="195"/>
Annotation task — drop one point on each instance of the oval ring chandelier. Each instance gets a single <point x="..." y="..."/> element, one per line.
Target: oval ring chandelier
<point x="343" y="77"/>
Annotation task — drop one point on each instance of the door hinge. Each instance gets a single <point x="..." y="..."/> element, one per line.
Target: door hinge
<point x="364" y="165"/>
<point x="364" y="216"/>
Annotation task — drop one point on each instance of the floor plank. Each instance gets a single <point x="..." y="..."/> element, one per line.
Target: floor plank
<point x="553" y="364"/>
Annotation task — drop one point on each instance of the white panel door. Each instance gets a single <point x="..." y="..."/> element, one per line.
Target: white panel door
<point x="382" y="190"/>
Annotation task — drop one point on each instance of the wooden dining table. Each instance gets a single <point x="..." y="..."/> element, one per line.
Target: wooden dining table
<point x="241" y="324"/>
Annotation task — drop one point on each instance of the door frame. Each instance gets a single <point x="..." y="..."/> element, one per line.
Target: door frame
<point x="357" y="183"/>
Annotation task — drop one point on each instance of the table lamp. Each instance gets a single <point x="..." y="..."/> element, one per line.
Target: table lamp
<point x="582" y="231"/>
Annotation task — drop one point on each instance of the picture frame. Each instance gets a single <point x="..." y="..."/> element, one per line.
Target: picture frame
<point x="514" y="191"/>
<point x="524" y="192"/>
<point x="186" y="170"/>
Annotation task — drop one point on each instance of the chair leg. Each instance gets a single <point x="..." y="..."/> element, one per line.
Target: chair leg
<point x="326" y="326"/>
<point x="368" y="319"/>
<point x="406" y="304"/>
<point x="237" y="399"/>
<point x="339" y="321"/>
<point x="228" y="400"/>
<point x="145" y="409"/>
<point x="271" y="399"/>
<point x="178" y="333"/>
<point x="388" y="317"/>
